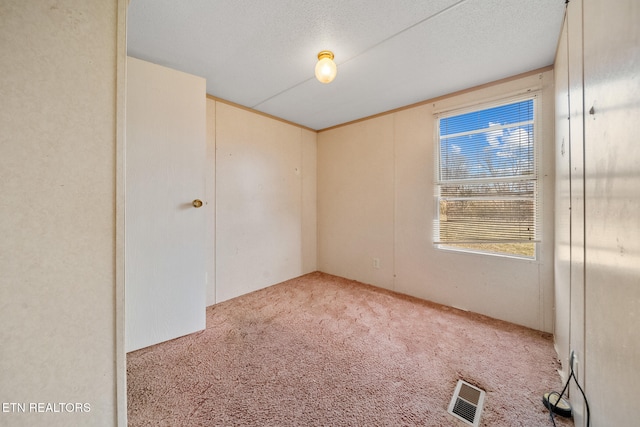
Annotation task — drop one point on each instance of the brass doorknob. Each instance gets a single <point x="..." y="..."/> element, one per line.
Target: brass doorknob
<point x="197" y="203"/>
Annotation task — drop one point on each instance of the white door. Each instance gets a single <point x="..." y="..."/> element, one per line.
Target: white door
<point x="165" y="289"/>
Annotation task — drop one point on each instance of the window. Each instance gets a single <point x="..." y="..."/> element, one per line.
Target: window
<point x="487" y="179"/>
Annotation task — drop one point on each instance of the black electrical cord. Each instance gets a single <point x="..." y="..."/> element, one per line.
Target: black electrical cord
<point x="553" y="407"/>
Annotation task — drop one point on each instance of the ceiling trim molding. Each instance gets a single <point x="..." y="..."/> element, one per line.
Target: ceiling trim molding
<point x="242" y="107"/>
<point x="439" y="98"/>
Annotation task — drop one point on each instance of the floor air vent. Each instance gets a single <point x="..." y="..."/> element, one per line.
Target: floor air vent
<point x="466" y="403"/>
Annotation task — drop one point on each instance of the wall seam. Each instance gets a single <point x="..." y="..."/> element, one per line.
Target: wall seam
<point x="584" y="209"/>
<point x="215" y="201"/>
<point x="302" y="204"/>
<point x="395" y="203"/>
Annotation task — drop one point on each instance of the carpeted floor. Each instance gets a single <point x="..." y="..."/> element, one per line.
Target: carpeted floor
<point x="321" y="350"/>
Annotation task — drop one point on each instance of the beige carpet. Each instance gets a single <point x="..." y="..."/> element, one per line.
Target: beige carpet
<point x="321" y="350"/>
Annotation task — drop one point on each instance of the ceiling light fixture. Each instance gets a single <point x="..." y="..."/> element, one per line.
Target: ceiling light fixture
<point x="326" y="69"/>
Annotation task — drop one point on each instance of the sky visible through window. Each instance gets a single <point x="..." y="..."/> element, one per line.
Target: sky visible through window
<point x="494" y="142"/>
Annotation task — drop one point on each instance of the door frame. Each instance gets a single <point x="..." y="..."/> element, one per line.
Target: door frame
<point x="120" y="356"/>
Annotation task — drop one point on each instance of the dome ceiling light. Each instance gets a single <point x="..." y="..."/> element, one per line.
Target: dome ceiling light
<point x="326" y="69"/>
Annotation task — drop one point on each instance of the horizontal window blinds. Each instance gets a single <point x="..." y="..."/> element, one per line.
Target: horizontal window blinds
<point x="487" y="175"/>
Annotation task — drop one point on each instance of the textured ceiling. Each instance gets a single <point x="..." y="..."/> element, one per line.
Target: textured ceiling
<point x="262" y="54"/>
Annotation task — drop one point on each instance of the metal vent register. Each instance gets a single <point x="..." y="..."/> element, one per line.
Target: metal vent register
<point x="466" y="403"/>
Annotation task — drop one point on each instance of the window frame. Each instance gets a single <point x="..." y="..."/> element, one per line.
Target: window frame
<point x="531" y="94"/>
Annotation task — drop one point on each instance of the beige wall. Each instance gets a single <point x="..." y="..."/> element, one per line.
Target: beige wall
<point x="612" y="214"/>
<point x="376" y="200"/>
<point x="265" y="173"/>
<point x="604" y="263"/>
<point x="356" y="201"/>
<point x="563" y="212"/>
<point x="58" y="209"/>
